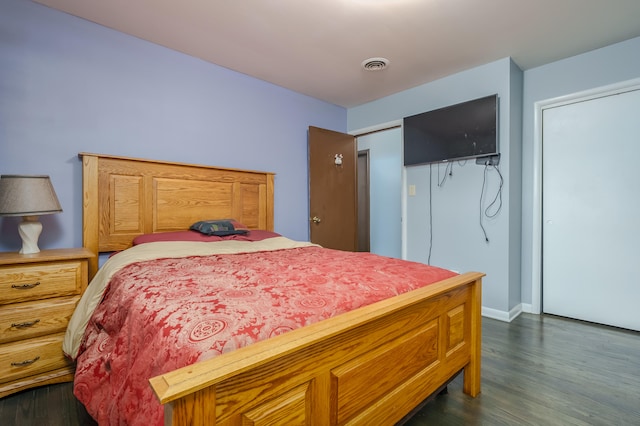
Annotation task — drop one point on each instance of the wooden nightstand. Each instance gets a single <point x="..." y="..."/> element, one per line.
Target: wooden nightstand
<point x="38" y="293"/>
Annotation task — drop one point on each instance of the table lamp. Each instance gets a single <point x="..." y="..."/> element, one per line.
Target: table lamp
<point x="29" y="197"/>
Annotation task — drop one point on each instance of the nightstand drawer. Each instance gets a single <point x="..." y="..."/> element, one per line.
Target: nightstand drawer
<point x="21" y="283"/>
<point x="32" y="319"/>
<point x="30" y="357"/>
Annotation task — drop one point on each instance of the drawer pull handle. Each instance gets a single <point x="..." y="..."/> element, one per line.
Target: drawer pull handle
<point x="25" y="286"/>
<point x="25" y="362"/>
<point x="25" y="324"/>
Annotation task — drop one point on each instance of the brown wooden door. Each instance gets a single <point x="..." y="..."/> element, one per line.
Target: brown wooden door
<point x="333" y="196"/>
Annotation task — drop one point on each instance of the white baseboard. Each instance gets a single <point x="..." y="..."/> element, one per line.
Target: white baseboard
<point x="503" y="315"/>
<point x="528" y="308"/>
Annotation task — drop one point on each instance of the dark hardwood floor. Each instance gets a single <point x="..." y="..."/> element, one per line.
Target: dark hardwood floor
<point x="52" y="405"/>
<point x="537" y="370"/>
<point x="546" y="370"/>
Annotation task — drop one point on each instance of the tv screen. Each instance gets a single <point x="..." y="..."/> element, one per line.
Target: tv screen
<point x="456" y="132"/>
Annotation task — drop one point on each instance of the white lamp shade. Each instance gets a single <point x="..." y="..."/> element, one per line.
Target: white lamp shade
<point x="27" y="196"/>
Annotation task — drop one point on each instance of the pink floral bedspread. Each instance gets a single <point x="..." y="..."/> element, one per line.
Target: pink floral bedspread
<point x="162" y="314"/>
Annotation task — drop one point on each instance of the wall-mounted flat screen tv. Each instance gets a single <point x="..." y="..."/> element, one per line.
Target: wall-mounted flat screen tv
<point x="456" y="132"/>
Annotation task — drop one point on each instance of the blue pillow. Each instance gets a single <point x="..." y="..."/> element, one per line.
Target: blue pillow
<point x="219" y="227"/>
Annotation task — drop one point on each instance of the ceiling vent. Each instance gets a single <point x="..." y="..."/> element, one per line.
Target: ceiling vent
<point x="375" y="64"/>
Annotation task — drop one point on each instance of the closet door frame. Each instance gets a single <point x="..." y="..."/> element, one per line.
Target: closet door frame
<point x="539" y="107"/>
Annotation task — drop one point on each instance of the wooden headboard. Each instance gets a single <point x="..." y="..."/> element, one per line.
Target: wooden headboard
<point x="126" y="197"/>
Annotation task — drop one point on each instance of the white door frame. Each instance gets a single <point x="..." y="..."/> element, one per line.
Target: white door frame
<point x="539" y="107"/>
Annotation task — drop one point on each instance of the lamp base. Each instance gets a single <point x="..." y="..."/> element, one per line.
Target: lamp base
<point x="29" y="230"/>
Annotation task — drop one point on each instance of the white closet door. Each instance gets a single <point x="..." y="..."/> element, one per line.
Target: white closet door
<point x="591" y="210"/>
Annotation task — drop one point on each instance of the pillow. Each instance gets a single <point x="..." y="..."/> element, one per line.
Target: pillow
<point x="219" y="227"/>
<point x="253" y="235"/>
<point x="175" y="236"/>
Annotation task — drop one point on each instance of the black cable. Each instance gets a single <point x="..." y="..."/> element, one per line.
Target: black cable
<point x="430" y="218"/>
<point x="448" y="170"/>
<point x="497" y="198"/>
<point x="484" y="180"/>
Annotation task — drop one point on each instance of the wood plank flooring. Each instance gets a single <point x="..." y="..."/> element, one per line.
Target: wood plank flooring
<point x="537" y="370"/>
<point x="546" y="370"/>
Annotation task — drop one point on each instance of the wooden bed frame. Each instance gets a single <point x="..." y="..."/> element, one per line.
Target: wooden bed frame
<point x="373" y="365"/>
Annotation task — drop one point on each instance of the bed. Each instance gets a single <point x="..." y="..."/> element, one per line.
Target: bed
<point x="370" y="365"/>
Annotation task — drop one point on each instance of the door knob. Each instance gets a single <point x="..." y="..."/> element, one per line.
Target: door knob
<point x="315" y="219"/>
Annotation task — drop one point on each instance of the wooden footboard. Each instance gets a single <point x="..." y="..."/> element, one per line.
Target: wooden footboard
<point x="369" y="366"/>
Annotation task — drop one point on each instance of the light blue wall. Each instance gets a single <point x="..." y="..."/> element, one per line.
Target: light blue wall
<point x="68" y="85"/>
<point x="515" y="186"/>
<point x="610" y="65"/>
<point x="458" y="241"/>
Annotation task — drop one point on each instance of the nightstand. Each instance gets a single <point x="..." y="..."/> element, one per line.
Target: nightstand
<point x="38" y="293"/>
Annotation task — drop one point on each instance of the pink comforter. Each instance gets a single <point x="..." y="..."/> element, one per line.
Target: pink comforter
<point x="162" y="314"/>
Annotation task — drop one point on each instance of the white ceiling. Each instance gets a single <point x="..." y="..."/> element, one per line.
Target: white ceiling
<point x="316" y="47"/>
